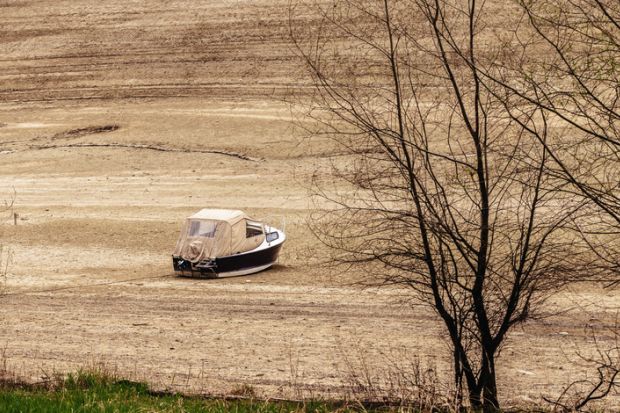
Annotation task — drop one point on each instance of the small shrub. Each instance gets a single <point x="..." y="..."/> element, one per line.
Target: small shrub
<point x="244" y="390"/>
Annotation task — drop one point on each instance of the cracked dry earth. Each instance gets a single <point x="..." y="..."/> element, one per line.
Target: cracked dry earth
<point x="117" y="120"/>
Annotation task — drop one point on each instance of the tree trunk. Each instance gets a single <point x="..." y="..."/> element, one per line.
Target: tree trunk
<point x="489" y="393"/>
<point x="475" y="399"/>
<point x="458" y="380"/>
<point x="483" y="394"/>
<point x="488" y="383"/>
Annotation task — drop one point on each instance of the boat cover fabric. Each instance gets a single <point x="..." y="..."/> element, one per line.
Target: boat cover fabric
<point x="232" y="216"/>
<point x="213" y="233"/>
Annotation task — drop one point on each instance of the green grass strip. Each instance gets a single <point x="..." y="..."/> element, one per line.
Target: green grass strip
<point x="89" y="393"/>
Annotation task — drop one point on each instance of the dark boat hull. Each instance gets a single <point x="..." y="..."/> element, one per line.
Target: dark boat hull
<point x="232" y="265"/>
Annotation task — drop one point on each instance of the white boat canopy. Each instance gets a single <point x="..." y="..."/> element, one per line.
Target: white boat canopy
<point x="212" y="233"/>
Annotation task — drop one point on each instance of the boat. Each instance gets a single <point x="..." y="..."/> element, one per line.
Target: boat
<point x="216" y="243"/>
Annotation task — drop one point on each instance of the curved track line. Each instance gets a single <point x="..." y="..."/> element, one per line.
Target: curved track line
<point x="147" y="147"/>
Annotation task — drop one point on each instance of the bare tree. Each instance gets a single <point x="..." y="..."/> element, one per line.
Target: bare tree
<point x="565" y="63"/>
<point x="439" y="188"/>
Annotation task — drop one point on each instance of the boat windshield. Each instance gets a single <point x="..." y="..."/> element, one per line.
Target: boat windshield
<point x="253" y="229"/>
<point x="202" y="228"/>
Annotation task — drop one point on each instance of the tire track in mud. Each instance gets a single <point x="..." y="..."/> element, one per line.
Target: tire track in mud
<point x="146" y="147"/>
<point x="221" y="306"/>
<point x="92" y="130"/>
<point x="111" y="47"/>
<point x="237" y="92"/>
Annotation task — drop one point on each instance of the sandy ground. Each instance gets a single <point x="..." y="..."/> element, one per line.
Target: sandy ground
<point x="119" y="119"/>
